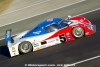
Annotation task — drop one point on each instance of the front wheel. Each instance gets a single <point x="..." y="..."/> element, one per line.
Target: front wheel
<point x="25" y="47"/>
<point x="78" y="32"/>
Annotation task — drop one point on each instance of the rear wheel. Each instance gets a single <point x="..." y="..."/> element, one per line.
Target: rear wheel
<point x="25" y="47"/>
<point x="78" y="32"/>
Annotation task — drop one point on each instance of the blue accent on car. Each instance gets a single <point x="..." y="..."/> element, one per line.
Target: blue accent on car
<point x="8" y="35"/>
<point x="39" y="29"/>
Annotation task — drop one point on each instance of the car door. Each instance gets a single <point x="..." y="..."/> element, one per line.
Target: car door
<point x="53" y="37"/>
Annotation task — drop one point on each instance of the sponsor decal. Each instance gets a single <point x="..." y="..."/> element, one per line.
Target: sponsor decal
<point x="54" y="41"/>
<point x="36" y="32"/>
<point x="13" y="49"/>
<point x="35" y="44"/>
<point x="57" y="39"/>
<point x="68" y="35"/>
<point x="51" y="41"/>
<point x="14" y="53"/>
<point x="37" y="48"/>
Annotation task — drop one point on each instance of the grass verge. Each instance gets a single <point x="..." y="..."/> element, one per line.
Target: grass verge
<point x="4" y="4"/>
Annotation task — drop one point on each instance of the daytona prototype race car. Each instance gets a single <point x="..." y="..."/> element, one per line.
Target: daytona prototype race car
<point x="48" y="33"/>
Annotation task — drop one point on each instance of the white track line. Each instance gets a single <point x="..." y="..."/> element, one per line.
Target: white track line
<point x="25" y="7"/>
<point x="86" y="60"/>
<point x="42" y="13"/>
<point x="88" y="12"/>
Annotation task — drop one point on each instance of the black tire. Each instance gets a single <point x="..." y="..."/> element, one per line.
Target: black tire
<point x="25" y="47"/>
<point x="78" y="32"/>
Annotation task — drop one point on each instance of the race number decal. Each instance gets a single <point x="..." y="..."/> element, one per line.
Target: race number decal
<point x="62" y="38"/>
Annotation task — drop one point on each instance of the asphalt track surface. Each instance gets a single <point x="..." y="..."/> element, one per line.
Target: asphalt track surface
<point x="65" y="53"/>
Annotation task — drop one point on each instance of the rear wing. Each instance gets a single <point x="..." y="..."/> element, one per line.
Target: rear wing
<point x="8" y="37"/>
<point x="13" y="49"/>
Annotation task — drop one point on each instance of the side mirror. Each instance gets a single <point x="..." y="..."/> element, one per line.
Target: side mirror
<point x="69" y="16"/>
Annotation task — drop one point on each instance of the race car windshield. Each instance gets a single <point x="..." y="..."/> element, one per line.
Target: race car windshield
<point x="52" y="28"/>
<point x="65" y="23"/>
